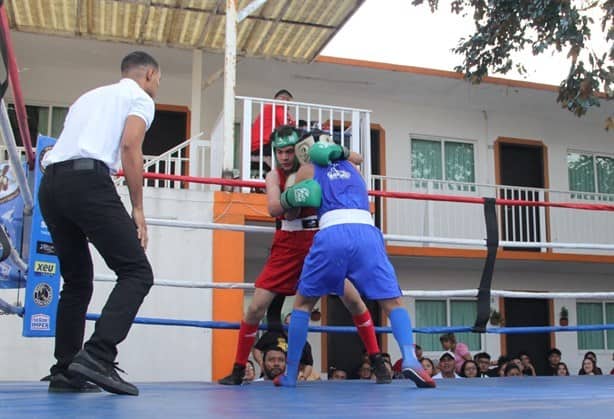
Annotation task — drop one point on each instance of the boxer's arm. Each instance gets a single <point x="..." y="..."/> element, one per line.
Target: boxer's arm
<point x="273" y="193"/>
<point x="304" y="172"/>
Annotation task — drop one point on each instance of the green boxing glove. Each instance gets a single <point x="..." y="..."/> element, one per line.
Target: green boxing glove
<point x="324" y="153"/>
<point x="303" y="194"/>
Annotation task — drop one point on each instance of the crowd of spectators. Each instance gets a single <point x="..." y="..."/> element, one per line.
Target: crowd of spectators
<point x="455" y="361"/>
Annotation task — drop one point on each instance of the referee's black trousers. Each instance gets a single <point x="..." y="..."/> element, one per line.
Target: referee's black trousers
<point x="79" y="205"/>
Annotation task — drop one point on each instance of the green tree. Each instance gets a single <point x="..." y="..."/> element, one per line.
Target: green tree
<point x="505" y="26"/>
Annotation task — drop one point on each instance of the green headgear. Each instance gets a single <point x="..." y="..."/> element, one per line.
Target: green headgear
<point x="285" y="136"/>
<point x="280" y="140"/>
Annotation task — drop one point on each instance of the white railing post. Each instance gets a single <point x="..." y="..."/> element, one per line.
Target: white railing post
<point x="246" y="155"/>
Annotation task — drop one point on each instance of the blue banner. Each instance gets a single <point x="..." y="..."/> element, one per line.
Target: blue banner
<point x="43" y="284"/>
<point x="11" y="219"/>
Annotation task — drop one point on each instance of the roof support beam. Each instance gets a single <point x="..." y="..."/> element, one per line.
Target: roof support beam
<point x="230" y="72"/>
<point x="247" y="10"/>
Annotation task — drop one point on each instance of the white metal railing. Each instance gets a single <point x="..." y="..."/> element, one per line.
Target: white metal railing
<point x="516" y="224"/>
<point x="4" y="153"/>
<point x="189" y="158"/>
<point x="349" y="126"/>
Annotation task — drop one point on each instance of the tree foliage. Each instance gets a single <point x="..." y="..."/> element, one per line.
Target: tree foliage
<point x="503" y="27"/>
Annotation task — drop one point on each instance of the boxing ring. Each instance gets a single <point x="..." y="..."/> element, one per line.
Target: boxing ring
<point x="545" y="397"/>
<point x="560" y="397"/>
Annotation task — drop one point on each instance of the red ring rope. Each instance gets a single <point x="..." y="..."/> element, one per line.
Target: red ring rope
<point x="402" y="195"/>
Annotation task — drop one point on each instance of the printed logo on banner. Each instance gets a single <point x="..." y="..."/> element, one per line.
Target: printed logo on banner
<point x="5" y="270"/>
<point x="45" y="248"/>
<point x="44" y="229"/>
<point x="40" y="322"/>
<point x="44" y="268"/>
<point x="43" y="294"/>
<point x="8" y="185"/>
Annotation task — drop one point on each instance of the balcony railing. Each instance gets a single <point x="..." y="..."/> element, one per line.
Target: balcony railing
<point x="516" y="224"/>
<point x="348" y="126"/>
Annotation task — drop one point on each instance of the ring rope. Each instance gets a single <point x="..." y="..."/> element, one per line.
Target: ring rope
<point x="389" y="194"/>
<point x="389" y="237"/>
<point x="467" y="293"/>
<point x="380" y="329"/>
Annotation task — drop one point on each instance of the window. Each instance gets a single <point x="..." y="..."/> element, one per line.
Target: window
<point x="442" y="160"/>
<point x="44" y="120"/>
<point x="591" y="173"/>
<point x="443" y="313"/>
<point x="595" y="313"/>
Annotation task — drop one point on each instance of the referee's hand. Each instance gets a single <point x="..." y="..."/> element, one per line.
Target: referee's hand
<point x="141" y="226"/>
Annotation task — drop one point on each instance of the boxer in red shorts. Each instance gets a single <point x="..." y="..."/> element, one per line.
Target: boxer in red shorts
<point x="295" y="228"/>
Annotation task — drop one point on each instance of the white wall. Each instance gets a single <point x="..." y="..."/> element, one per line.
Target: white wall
<point x="150" y="353"/>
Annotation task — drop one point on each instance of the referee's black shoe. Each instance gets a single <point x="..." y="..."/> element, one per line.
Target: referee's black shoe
<point x="64" y="382"/>
<point x="102" y="373"/>
<point x="235" y="378"/>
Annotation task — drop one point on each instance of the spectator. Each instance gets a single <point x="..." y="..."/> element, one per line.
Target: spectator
<point x="526" y="364"/>
<point x="446" y="366"/>
<point x="337" y="374"/>
<point x="280" y="339"/>
<point x="419" y="353"/>
<point x="483" y="361"/>
<point x="554" y="357"/>
<point x="428" y="366"/>
<point x="591" y="355"/>
<point x="265" y="123"/>
<point x="274" y="362"/>
<point x="460" y="350"/>
<point x="512" y="370"/>
<point x="365" y="372"/>
<point x="250" y="372"/>
<point x="589" y="367"/>
<point x="562" y="370"/>
<point x="502" y="362"/>
<point x="470" y="369"/>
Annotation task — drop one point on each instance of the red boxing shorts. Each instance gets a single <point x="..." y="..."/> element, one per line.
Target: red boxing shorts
<point x="285" y="263"/>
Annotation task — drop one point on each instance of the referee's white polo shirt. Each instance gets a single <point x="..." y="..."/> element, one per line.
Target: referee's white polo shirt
<point x="95" y="122"/>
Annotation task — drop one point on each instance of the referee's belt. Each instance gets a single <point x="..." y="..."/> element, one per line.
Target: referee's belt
<point x="297" y="225"/>
<point x="78" y="164"/>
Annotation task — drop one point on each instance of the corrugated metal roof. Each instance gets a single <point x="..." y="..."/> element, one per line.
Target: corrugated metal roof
<point x="295" y="30"/>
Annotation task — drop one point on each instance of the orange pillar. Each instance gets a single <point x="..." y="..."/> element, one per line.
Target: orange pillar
<point x="228" y="266"/>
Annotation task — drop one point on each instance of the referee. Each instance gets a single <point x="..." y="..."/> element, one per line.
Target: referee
<point x="79" y="203"/>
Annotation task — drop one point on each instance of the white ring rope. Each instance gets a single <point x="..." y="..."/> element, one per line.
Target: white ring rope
<point x="389" y="237"/>
<point x="406" y="293"/>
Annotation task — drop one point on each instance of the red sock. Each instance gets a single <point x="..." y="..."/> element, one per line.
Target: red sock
<point x="247" y="337"/>
<point x="366" y="331"/>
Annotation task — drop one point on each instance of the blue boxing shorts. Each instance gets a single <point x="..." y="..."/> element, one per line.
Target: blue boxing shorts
<point x="353" y="251"/>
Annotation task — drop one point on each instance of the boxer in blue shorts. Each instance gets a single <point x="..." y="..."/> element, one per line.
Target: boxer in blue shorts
<point x="348" y="245"/>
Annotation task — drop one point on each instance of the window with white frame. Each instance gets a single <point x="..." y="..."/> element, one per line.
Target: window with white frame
<point x="591" y="172"/>
<point x="442" y="159"/>
<point x="595" y="313"/>
<point x="44" y="120"/>
<point x="443" y="313"/>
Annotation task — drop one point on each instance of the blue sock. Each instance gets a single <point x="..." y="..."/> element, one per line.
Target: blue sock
<point x="297" y="336"/>
<point x="402" y="331"/>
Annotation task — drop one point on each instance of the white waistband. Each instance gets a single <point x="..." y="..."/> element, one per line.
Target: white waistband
<point x="345" y="216"/>
<point x="297" y="225"/>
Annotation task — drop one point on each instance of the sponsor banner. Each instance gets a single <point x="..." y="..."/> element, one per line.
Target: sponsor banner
<point x="11" y="219"/>
<point x="43" y="285"/>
